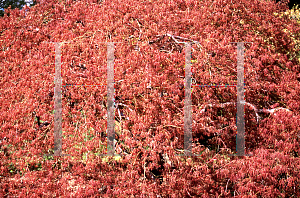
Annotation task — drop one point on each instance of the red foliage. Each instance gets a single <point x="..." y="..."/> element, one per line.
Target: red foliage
<point x="149" y="81"/>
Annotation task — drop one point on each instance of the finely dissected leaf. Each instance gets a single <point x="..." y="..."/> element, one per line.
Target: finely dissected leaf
<point x="149" y="92"/>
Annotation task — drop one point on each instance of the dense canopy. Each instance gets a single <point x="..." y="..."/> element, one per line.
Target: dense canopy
<point x="149" y="70"/>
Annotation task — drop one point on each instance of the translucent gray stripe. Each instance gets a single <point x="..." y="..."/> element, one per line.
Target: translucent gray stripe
<point x="57" y="103"/>
<point x="240" y="137"/>
<point x="110" y="100"/>
<point x="188" y="136"/>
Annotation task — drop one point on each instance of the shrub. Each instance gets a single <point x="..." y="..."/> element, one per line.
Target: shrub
<point x="149" y="81"/>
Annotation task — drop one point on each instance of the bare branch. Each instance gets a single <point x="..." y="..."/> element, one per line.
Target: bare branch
<point x="271" y="111"/>
<point x="175" y="39"/>
<point x="179" y="37"/>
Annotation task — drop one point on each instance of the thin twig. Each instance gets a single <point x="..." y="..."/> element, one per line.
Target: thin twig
<point x="124" y="106"/>
<point x="179" y="37"/>
<point x="172" y="126"/>
<point x="81" y="74"/>
<point x="133" y="27"/>
<point x="144" y="170"/>
<point x="120" y="117"/>
<point x="223" y="141"/>
<point x="175" y="39"/>
<point x="226" y="185"/>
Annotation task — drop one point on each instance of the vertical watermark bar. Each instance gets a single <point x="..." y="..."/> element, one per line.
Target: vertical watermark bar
<point x="188" y="136"/>
<point x="240" y="136"/>
<point x="240" y="117"/>
<point x="57" y="102"/>
<point x="110" y="100"/>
